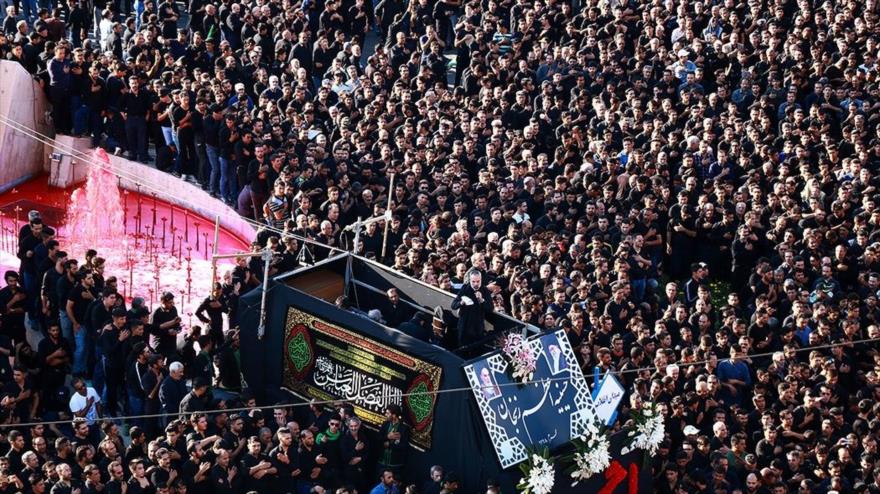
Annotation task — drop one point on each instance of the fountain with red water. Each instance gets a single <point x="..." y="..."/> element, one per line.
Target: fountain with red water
<point x="95" y="218"/>
<point x="156" y="249"/>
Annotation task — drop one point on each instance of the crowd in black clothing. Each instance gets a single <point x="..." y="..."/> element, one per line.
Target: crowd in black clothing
<point x="670" y="182"/>
<point x="77" y="365"/>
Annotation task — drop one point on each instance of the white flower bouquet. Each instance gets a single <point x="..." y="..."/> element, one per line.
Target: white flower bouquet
<point x="591" y="454"/>
<point x="539" y="475"/>
<point x="647" y="431"/>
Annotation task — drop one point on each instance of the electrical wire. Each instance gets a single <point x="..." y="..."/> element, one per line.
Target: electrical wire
<point x="437" y="392"/>
<point x="136" y="179"/>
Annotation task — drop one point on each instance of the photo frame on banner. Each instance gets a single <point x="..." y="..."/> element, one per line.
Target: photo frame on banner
<point x="550" y="411"/>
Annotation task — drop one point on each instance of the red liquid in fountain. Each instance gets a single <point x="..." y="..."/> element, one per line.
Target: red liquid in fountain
<point x="149" y="252"/>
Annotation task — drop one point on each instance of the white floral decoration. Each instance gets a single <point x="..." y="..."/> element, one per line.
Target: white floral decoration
<point x="539" y="475"/>
<point x="592" y="454"/>
<point x="648" y="430"/>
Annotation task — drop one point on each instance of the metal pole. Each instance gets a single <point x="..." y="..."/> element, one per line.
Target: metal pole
<point x="267" y="258"/>
<point x="216" y="243"/>
<point x="240" y="254"/>
<point x="387" y="223"/>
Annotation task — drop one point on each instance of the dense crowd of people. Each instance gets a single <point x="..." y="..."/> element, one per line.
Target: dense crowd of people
<point x="688" y="189"/>
<point x="101" y="395"/>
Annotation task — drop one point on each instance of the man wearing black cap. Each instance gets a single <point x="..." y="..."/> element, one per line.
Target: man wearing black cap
<point x="111" y="339"/>
<point x="166" y="325"/>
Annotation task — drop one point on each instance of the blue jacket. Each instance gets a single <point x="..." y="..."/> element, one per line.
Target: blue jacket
<point x="381" y="489"/>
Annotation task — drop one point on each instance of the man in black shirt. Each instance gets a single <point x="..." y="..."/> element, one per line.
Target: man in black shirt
<point x="98" y="316"/>
<point x="202" y="168"/>
<point x="66" y="483"/>
<point x="395" y="312"/>
<point x="135" y="108"/>
<point x="110" y="340"/>
<point x="182" y="120"/>
<point x="48" y="293"/>
<point x="197" y="399"/>
<point x="78" y="300"/>
<point x="354" y="450"/>
<point x="62" y="288"/>
<point x="27" y="253"/>
<point x="227" y="137"/>
<point x="258" y="471"/>
<point x="223" y="475"/>
<point x="195" y="470"/>
<point x="286" y="462"/>
<point x="116" y="484"/>
<point x="136" y="367"/>
<point x="13" y="305"/>
<point x="54" y="355"/>
<point x="211" y="312"/>
<point x="150" y="383"/>
<point x="244" y="153"/>
<point x="166" y="325"/>
<point x="59" y="89"/>
<point x="95" y="99"/>
<point x="312" y="460"/>
<point x="211" y="130"/>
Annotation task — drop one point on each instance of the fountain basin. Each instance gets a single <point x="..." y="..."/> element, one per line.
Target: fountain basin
<point x="135" y="253"/>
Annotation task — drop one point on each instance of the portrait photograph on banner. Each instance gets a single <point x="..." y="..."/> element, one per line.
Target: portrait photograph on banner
<point x="548" y="410"/>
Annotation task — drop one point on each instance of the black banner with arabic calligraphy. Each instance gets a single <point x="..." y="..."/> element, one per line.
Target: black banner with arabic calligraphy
<point x="324" y="361"/>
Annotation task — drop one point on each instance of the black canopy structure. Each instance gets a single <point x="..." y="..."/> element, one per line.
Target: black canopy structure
<point x="312" y="350"/>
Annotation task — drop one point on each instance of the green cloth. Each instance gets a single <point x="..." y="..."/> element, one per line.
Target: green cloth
<point x="331" y="436"/>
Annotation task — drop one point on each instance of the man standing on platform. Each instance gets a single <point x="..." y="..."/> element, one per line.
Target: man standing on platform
<point x="395" y="312"/>
<point x="473" y="303"/>
<point x="135" y="108"/>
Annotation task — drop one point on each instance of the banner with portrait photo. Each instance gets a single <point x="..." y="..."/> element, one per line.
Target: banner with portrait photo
<point x="325" y="362"/>
<point x="549" y="412"/>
